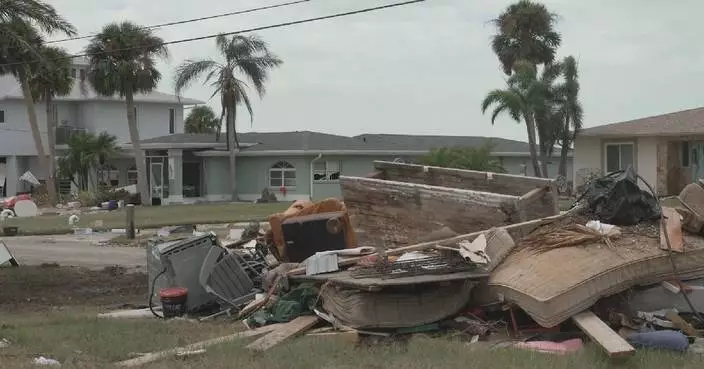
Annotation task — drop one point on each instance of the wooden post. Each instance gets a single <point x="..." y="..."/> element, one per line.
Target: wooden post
<point x="130" y="221"/>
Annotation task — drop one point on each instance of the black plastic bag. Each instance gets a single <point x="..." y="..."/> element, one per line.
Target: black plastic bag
<point x="617" y="199"/>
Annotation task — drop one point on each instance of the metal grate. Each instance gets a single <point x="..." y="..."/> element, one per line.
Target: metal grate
<point x="409" y="268"/>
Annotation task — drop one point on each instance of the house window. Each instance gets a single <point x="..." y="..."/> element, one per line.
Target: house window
<point x="132" y="175"/>
<point x="82" y="74"/>
<point x="2" y="116"/>
<point x="619" y="156"/>
<point x="282" y="174"/>
<point x="326" y="171"/>
<point x="685" y="153"/>
<point x="73" y="72"/>
<point x="172" y="121"/>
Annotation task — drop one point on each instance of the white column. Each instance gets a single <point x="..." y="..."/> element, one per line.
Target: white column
<point x="175" y="170"/>
<point x="13" y="177"/>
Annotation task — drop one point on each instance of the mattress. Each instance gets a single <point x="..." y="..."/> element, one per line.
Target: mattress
<point x="554" y="285"/>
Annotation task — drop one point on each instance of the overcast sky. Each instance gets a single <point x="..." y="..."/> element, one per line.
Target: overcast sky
<point x="424" y="68"/>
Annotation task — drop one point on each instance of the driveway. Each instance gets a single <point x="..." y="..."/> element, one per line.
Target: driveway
<point x="70" y="250"/>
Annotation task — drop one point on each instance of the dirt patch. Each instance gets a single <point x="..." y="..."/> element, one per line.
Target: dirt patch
<point x="50" y="286"/>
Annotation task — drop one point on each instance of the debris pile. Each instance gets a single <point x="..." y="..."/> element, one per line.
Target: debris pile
<point x="423" y="250"/>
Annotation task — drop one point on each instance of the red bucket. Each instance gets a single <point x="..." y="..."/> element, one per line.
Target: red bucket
<point x="173" y="301"/>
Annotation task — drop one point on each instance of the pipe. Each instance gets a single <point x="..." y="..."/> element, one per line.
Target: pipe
<point x="312" y="163"/>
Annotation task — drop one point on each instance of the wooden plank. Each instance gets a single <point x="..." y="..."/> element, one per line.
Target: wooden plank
<point x="290" y="329"/>
<point x="515" y="183"/>
<point x="154" y="356"/>
<point x="524" y="203"/>
<point x="598" y="331"/>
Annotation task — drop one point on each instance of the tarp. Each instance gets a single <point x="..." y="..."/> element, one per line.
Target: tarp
<point x="617" y="199"/>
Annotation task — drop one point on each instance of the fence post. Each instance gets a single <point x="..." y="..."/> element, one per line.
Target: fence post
<point x="130" y="221"/>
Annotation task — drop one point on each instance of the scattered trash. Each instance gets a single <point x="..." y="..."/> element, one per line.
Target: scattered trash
<point x="73" y="220"/>
<point x="4" y="343"/>
<point x="45" y="361"/>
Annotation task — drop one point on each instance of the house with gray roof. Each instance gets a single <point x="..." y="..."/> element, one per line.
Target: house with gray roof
<point x="82" y="110"/>
<point x="292" y="165"/>
<point x="666" y="150"/>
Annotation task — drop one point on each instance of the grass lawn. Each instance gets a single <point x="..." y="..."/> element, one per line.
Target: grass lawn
<point x="51" y="312"/>
<point x="151" y="217"/>
<point x="79" y="340"/>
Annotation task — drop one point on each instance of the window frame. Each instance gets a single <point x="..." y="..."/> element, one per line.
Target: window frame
<point x="2" y="116"/>
<point x="282" y="170"/>
<point x="327" y="171"/>
<point x="172" y="120"/>
<point x="686" y="154"/>
<point x="132" y="170"/>
<point x="620" y="164"/>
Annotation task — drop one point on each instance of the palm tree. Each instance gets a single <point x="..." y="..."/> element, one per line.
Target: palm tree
<point x="23" y="66"/>
<point x="51" y="78"/>
<point x="570" y="110"/>
<point x="523" y="97"/>
<point x="201" y="119"/>
<point x="525" y="32"/>
<point x="472" y="158"/>
<point x="122" y="62"/>
<point x="34" y="13"/>
<point x="248" y="55"/>
<point x="86" y="152"/>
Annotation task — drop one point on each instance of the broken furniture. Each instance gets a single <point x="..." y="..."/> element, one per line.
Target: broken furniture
<point x="400" y="203"/>
<point x="6" y="255"/>
<point x="178" y="263"/>
<point x="309" y="234"/>
<point x="307" y="208"/>
<point x="224" y="277"/>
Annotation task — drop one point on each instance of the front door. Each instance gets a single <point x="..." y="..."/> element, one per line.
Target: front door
<point x="156" y="182"/>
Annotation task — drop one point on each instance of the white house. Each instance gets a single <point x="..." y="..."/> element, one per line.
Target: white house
<point x="666" y="150"/>
<point x="158" y="114"/>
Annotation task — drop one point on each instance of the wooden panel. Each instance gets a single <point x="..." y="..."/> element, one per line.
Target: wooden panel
<point x="288" y="330"/>
<point x="506" y="184"/>
<point x="390" y="213"/>
<point x="598" y="331"/>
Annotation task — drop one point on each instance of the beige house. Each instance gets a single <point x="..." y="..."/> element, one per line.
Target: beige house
<point x="666" y="150"/>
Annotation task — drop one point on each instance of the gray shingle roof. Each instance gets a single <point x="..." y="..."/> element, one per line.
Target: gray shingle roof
<point x="681" y="123"/>
<point x="306" y="140"/>
<point x="10" y="90"/>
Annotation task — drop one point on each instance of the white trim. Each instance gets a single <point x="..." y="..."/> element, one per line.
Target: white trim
<point x="605" y="166"/>
<point x="342" y="152"/>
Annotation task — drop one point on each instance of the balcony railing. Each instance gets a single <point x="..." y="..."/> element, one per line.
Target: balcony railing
<point x="64" y="133"/>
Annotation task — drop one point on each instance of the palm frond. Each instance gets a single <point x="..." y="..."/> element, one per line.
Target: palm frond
<point x="191" y="70"/>
<point x="242" y="97"/>
<point x="38" y="13"/>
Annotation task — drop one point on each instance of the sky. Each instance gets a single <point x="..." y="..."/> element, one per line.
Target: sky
<point x="425" y="68"/>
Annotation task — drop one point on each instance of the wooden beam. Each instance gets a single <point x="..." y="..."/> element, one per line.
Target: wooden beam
<point x="154" y="356"/>
<point x="524" y="202"/>
<point x="598" y="331"/>
<point x="288" y="330"/>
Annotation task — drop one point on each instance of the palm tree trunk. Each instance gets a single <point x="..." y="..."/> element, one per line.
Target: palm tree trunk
<point x="51" y="137"/>
<point x="232" y="148"/>
<point x="530" y="126"/>
<point x="562" y="169"/>
<point x="138" y="153"/>
<point x="37" y="136"/>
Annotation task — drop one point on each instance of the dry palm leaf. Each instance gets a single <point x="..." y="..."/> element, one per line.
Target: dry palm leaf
<point x="572" y="235"/>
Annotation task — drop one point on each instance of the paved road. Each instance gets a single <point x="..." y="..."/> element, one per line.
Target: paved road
<point x="70" y="250"/>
